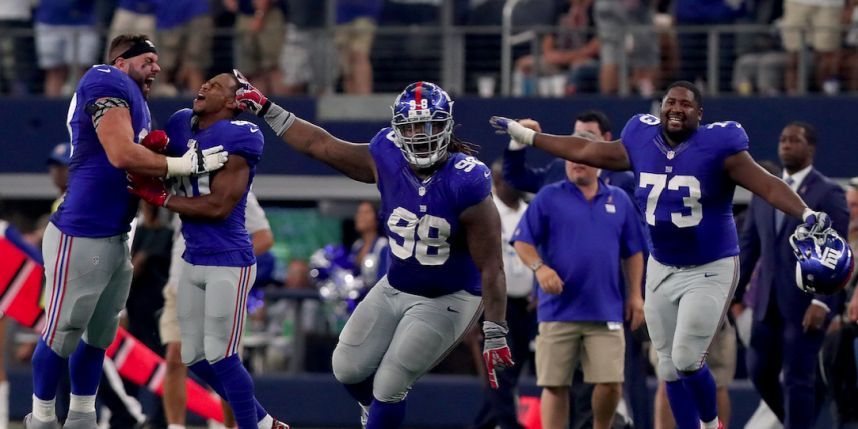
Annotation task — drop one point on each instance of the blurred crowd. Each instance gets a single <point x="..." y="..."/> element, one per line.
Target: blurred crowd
<point x="293" y="47"/>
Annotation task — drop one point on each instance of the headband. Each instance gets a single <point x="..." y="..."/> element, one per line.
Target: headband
<point x="140" y="46"/>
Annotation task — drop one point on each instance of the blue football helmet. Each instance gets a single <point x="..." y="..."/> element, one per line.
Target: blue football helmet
<point x="422" y="123"/>
<point x="824" y="260"/>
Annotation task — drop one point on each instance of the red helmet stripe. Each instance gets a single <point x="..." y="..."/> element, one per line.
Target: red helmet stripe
<point x="418" y="94"/>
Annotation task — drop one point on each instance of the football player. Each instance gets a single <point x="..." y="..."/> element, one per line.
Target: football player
<point x="87" y="259"/>
<point x="218" y="266"/>
<point x="444" y="233"/>
<point x="686" y="174"/>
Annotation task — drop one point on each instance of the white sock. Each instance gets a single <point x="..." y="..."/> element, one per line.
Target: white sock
<point x="4" y="404"/>
<point x="266" y="422"/>
<point x="711" y="425"/>
<point x="44" y="410"/>
<point x="175" y="426"/>
<point x="82" y="404"/>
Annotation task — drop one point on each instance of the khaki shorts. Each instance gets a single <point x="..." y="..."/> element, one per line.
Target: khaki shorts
<point x="354" y="37"/>
<point x="168" y="324"/>
<point x="561" y="345"/>
<point x="798" y="16"/>
<point x="188" y="45"/>
<point x="258" y="52"/>
<point x="721" y="358"/>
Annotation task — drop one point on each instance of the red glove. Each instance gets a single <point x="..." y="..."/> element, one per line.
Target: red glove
<point x="150" y="189"/>
<point x="156" y="141"/>
<point x="496" y="352"/>
<point x="249" y="98"/>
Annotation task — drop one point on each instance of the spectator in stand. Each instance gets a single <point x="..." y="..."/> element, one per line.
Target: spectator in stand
<point x="369" y="253"/>
<point x="356" y="22"/>
<point x="185" y="32"/>
<point x="817" y="23"/>
<point x="58" y="169"/>
<point x="66" y="41"/>
<point x="134" y="16"/>
<point x="259" y="35"/>
<point x="16" y="44"/>
<point x="693" y="48"/>
<point x="571" y="55"/>
<point x="612" y="19"/>
<point x="761" y="62"/>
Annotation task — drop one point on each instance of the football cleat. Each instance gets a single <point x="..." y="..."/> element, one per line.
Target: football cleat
<point x="825" y="260"/>
<point x="279" y="425"/>
<point x="422" y="123"/>
<point x="31" y="422"/>
<point x="79" y="420"/>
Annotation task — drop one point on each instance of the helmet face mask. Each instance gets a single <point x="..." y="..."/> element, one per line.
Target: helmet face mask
<point x="422" y="123"/>
<point x="825" y="260"/>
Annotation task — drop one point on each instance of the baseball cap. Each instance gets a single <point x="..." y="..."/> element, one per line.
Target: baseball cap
<point x="61" y="154"/>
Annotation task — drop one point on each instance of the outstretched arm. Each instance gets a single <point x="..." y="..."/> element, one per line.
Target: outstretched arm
<point x="353" y="160"/>
<point x="609" y="155"/>
<point x="746" y="172"/>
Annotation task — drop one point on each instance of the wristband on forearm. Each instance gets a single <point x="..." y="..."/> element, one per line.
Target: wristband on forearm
<point x="278" y="119"/>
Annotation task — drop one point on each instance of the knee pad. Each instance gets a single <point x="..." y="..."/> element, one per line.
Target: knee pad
<point x="687" y="360"/>
<point x="103" y="337"/>
<point x="389" y="388"/>
<point x="215" y="347"/>
<point x="345" y="366"/>
<point x="191" y="354"/>
<point x="666" y="370"/>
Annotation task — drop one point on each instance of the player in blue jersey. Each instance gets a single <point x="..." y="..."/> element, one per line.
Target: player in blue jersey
<point x="444" y="233"/>
<point x="87" y="260"/>
<point x="686" y="174"/>
<point x="218" y="265"/>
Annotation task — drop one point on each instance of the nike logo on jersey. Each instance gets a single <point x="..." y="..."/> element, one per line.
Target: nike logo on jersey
<point x="104" y="70"/>
<point x="710" y="274"/>
<point x="487" y="174"/>
<point x="450" y="309"/>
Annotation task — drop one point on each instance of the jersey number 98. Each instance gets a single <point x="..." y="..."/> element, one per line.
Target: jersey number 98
<point x="425" y="237"/>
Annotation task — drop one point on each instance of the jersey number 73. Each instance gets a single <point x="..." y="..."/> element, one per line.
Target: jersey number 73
<point x="676" y="183"/>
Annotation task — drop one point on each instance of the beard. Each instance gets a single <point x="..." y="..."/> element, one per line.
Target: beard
<point x="680" y="135"/>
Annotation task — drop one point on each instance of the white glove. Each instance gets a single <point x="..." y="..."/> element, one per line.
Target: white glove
<point x="196" y="161"/>
<point x="518" y="132"/>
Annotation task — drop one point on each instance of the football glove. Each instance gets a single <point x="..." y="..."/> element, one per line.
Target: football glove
<point x="496" y="353"/>
<point x="196" y="161"/>
<point x="816" y="222"/>
<point x="518" y="132"/>
<point x="149" y="189"/>
<point x="156" y="141"/>
<point x="249" y="98"/>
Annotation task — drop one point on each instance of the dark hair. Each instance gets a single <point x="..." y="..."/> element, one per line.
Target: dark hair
<point x="122" y="43"/>
<point x="809" y="131"/>
<point x="698" y="95"/>
<point x="597" y="116"/>
<point x="461" y="146"/>
<point x="236" y="84"/>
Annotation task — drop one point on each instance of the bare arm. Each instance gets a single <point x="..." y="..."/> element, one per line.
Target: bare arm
<point x="482" y="225"/>
<point x="262" y="240"/>
<point x="228" y="186"/>
<point x="633" y="268"/>
<point x="117" y="137"/>
<point x="746" y="172"/>
<point x="609" y="155"/>
<point x="353" y="160"/>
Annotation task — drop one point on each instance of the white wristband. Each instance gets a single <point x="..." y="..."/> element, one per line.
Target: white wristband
<point x="177" y="166"/>
<point x="807" y="213"/>
<point x="514" y="145"/>
<point x="821" y="304"/>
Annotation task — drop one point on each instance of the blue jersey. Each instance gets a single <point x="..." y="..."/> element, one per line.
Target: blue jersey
<point x="97" y="203"/>
<point x="223" y="243"/>
<point x="685" y="195"/>
<point x="428" y="249"/>
<point x="604" y="230"/>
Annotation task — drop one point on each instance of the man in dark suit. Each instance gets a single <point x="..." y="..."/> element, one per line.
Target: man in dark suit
<point x="789" y="324"/>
